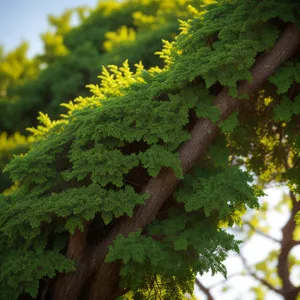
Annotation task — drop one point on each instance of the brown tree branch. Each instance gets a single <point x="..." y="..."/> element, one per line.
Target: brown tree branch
<point x="261" y="280"/>
<point x="205" y="290"/>
<point x="77" y="243"/>
<point x="76" y="250"/>
<point x="160" y="187"/>
<point x="287" y="243"/>
<point x="214" y="285"/>
<point x="288" y="290"/>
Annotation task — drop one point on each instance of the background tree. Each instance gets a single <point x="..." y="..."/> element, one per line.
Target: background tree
<point x="73" y="58"/>
<point x="276" y="274"/>
<point x="149" y="165"/>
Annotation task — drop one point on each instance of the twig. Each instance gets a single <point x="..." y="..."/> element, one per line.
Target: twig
<point x="205" y="290"/>
<point x="261" y="280"/>
<point x="262" y="233"/>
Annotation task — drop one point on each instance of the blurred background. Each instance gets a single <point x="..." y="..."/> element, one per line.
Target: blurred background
<point x="50" y="50"/>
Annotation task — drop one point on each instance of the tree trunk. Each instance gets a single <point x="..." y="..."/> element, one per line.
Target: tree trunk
<point x="160" y="187"/>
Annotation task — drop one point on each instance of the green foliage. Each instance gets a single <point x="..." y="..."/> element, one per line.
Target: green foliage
<point x="205" y="108"/>
<point x="114" y="39"/>
<point x="219" y="152"/>
<point x="19" y="270"/>
<point x="266" y="267"/>
<point x="157" y="157"/>
<point x="230" y="123"/>
<point x="9" y="146"/>
<point x="74" y="56"/>
<point x="227" y="49"/>
<point x="16" y="68"/>
<point x="205" y="189"/>
<point x="259" y="292"/>
<point x="183" y="244"/>
<point x="286" y="108"/>
<point x="285" y="76"/>
<point x="160" y="287"/>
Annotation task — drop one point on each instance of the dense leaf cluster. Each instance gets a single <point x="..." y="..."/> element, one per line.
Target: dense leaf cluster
<point x="73" y="58"/>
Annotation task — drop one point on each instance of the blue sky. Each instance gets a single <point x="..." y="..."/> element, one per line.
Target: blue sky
<point x="27" y="19"/>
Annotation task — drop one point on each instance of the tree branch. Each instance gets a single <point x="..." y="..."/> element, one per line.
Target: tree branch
<point x="77" y="243"/>
<point x="287" y="243"/>
<point x="205" y="290"/>
<point x="261" y="280"/>
<point x="214" y="285"/>
<point x="262" y="233"/>
<point x="288" y="290"/>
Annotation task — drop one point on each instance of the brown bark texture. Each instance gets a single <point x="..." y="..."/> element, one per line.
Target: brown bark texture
<point x="102" y="278"/>
<point x="204" y="290"/>
<point x="288" y="290"/>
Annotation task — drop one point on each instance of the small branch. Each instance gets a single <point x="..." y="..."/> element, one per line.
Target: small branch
<point x="293" y="198"/>
<point x="261" y="280"/>
<point x="288" y="290"/>
<point x="225" y="280"/>
<point x="295" y="243"/>
<point x="205" y="290"/>
<point x="262" y="233"/>
<point x="265" y="283"/>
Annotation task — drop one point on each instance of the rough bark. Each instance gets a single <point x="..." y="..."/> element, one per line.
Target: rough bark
<point x="160" y="187"/>
<point x="288" y="290"/>
<point x="205" y="290"/>
<point x="76" y="250"/>
<point x="77" y="243"/>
